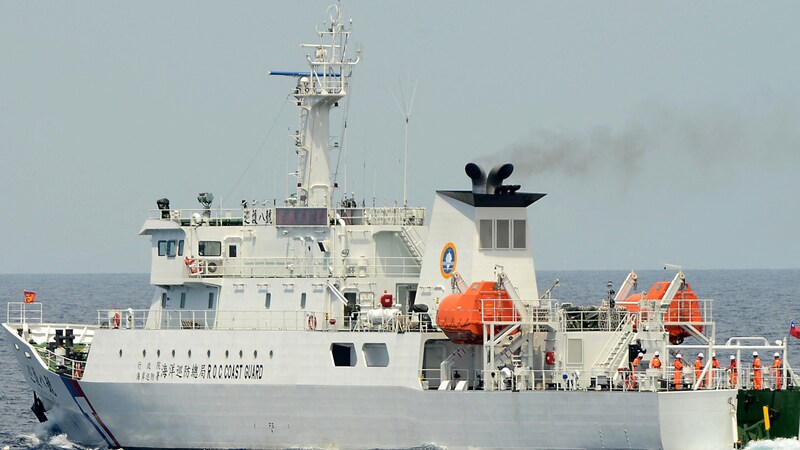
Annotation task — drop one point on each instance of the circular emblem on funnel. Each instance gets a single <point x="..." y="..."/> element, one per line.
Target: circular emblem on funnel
<point x="448" y="260"/>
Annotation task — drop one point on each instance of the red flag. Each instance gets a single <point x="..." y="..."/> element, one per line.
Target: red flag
<point x="30" y="296"/>
<point x="794" y="331"/>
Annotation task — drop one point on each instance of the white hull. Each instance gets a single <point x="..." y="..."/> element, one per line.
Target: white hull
<point x="236" y="415"/>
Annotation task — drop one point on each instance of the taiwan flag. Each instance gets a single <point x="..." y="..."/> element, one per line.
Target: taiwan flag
<point x="30" y="296"/>
<point x="794" y="331"/>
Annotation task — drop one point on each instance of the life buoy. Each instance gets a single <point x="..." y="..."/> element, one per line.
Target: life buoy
<point x="190" y="263"/>
<point x="550" y="358"/>
<point x="312" y="322"/>
<point x="77" y="369"/>
<point x="116" y="319"/>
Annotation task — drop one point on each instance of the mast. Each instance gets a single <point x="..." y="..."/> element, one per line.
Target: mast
<point x="317" y="91"/>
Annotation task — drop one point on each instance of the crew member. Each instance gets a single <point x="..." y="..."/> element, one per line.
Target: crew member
<point x="732" y="376"/>
<point x="634" y="365"/>
<point x="655" y="363"/>
<point x="714" y="370"/>
<point x="698" y="367"/>
<point x="757" y="380"/>
<point x="776" y="370"/>
<point x="678" y="365"/>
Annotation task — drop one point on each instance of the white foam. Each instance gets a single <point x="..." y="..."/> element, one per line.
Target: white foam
<point x="774" y="444"/>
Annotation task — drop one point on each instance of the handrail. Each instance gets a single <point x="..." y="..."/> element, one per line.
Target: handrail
<point x="21" y="312"/>
<point x="293" y="267"/>
<point x="260" y="214"/>
<point x="379" y="319"/>
<point x="60" y="364"/>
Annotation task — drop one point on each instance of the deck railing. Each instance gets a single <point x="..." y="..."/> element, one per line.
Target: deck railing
<point x="388" y="320"/>
<point x="21" y="312"/>
<point x="248" y="267"/>
<point x="260" y="214"/>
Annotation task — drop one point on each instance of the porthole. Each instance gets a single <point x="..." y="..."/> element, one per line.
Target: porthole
<point x="255" y="353"/>
<point x="16" y="346"/>
<point x="144" y="353"/>
<point x="226" y="353"/>
<point x="270" y="354"/>
<point x="120" y="353"/>
<point x="158" y="353"/>
<point x="189" y="353"/>
<point x="208" y="353"/>
<point x="240" y="353"/>
<point x="173" y="353"/>
<point x="27" y="355"/>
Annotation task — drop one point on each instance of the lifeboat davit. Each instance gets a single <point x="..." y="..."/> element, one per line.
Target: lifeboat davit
<point x="461" y="316"/>
<point x="685" y="307"/>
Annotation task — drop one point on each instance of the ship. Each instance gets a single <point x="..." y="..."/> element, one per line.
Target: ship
<point x="323" y="322"/>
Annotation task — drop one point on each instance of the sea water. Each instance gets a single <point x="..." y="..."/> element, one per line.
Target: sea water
<point x="746" y="303"/>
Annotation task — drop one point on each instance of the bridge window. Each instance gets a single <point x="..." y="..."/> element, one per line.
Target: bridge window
<point x="503" y="233"/>
<point x="171" y="248"/>
<point x="486" y="233"/>
<point x="209" y="248"/>
<point x="376" y="355"/>
<point x="520" y="233"/>
<point x="162" y="248"/>
<point x="344" y="355"/>
<point x="180" y="247"/>
<point x="210" y="300"/>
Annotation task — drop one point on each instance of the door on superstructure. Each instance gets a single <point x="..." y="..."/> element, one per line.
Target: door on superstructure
<point x="405" y="295"/>
<point x="231" y="252"/>
<point x="352" y="310"/>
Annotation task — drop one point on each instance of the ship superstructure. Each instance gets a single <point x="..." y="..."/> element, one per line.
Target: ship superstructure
<point x="328" y="323"/>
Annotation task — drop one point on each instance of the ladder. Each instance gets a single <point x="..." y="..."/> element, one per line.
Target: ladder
<point x="612" y="353"/>
<point x="413" y="242"/>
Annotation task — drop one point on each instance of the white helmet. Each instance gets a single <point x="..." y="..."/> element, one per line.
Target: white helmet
<point x="642" y="355"/>
<point x="678" y="356"/>
<point x="700" y="355"/>
<point x="755" y="353"/>
<point x="777" y="355"/>
<point x="655" y="354"/>
<point x="733" y="357"/>
<point x="713" y="355"/>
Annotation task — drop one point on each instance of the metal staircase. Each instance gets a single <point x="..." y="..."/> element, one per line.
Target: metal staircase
<point x="413" y="242"/>
<point x="612" y="354"/>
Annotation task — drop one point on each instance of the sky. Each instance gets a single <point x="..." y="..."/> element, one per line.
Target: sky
<point x="662" y="132"/>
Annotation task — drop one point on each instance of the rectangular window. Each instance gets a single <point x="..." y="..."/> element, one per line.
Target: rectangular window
<point x="303" y="300"/>
<point x="344" y="355"/>
<point x="210" y="300"/>
<point x="231" y="251"/>
<point x="180" y="247"/>
<point x="183" y="299"/>
<point x="267" y="300"/>
<point x="163" y="300"/>
<point x="162" y="248"/>
<point x="209" y="248"/>
<point x="520" y="233"/>
<point x="172" y="248"/>
<point x="503" y="233"/>
<point x="376" y="355"/>
<point x="486" y="234"/>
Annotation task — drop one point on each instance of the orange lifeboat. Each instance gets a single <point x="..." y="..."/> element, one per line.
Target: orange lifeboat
<point x="685" y="307"/>
<point x="461" y="316"/>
